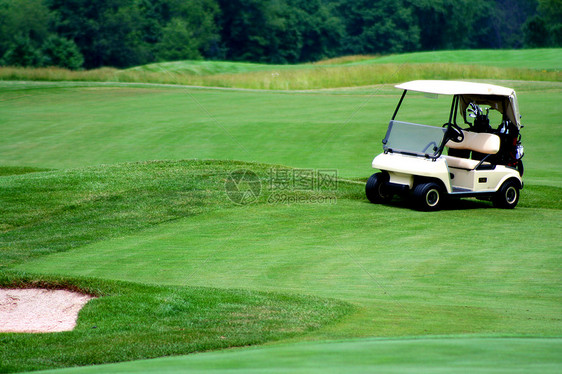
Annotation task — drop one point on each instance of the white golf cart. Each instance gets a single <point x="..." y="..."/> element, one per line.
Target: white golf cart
<point x="481" y="161"/>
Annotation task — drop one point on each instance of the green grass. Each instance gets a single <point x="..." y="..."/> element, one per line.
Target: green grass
<point x="415" y="277"/>
<point x="433" y="355"/>
<point x="17" y="170"/>
<point x="538" y="59"/>
<point x="486" y="281"/>
<point x="529" y="65"/>
<point x="149" y="321"/>
<point x="287" y="78"/>
<point x="56" y="211"/>
<point x="410" y="274"/>
<point x="61" y="126"/>
<point x="194" y="67"/>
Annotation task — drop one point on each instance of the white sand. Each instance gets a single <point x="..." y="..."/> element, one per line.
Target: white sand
<point x="39" y="310"/>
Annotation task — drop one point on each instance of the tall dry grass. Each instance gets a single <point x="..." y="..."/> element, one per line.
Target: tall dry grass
<point x="345" y="60"/>
<point x="318" y="77"/>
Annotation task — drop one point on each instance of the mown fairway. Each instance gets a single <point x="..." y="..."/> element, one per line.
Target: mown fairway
<point x="55" y="126"/>
<point x="100" y="124"/>
<point x="542" y="59"/>
<point x="470" y="288"/>
<point x="409" y="274"/>
<point x="432" y="355"/>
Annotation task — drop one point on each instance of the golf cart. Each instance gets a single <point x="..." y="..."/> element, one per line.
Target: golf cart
<point x="430" y="162"/>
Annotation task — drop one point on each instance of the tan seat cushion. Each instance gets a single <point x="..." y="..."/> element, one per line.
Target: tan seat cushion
<point x="462" y="163"/>
<point x="479" y="142"/>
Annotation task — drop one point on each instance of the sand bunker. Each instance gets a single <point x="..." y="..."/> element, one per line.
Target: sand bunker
<point x="39" y="310"/>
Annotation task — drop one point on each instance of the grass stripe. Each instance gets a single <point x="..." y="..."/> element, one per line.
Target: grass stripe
<point x="428" y="355"/>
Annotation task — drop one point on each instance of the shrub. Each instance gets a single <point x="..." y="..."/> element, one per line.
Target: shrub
<point x="59" y="51"/>
<point x="22" y="52"/>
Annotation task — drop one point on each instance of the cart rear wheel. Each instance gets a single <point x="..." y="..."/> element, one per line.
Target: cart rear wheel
<point x="428" y="196"/>
<point x="377" y="190"/>
<point x="508" y="195"/>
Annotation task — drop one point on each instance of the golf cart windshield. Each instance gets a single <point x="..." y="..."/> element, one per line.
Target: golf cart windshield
<point x="414" y="139"/>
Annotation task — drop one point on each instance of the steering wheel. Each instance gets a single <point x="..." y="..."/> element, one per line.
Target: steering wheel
<point x="454" y="132"/>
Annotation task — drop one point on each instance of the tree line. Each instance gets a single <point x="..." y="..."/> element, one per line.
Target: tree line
<point x="89" y="34"/>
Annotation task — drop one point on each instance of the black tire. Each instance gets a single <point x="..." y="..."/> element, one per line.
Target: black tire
<point x="507" y="196"/>
<point x="428" y="196"/>
<point x="376" y="189"/>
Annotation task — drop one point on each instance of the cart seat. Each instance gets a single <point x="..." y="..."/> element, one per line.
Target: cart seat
<point x="477" y="141"/>
<point x="464" y="163"/>
<point x="473" y="141"/>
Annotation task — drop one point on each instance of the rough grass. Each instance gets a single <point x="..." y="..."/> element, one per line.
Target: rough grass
<point x="536" y="59"/>
<point x="56" y="211"/>
<point x="142" y="322"/>
<point x="18" y="170"/>
<point x="47" y="212"/>
<point x="345" y="60"/>
<point x="529" y="65"/>
<point x="282" y="78"/>
<point x="364" y="75"/>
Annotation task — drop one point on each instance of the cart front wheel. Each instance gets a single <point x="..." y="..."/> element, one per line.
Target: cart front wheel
<point x="428" y="196"/>
<point x="377" y="190"/>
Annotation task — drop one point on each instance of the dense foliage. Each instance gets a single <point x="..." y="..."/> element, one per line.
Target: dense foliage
<point x="121" y="33"/>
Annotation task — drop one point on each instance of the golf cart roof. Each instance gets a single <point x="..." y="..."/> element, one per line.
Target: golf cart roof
<point x="500" y="98"/>
<point x="455" y="88"/>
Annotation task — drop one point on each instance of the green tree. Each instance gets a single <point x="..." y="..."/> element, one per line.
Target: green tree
<point x="191" y="23"/>
<point x="455" y="24"/>
<point x="544" y="29"/>
<point x="280" y="31"/>
<point x="22" y="52"/>
<point x="24" y="25"/>
<point x="281" y="37"/>
<point x="105" y="31"/>
<point x="319" y="27"/>
<point x="122" y="33"/>
<point x="536" y="32"/>
<point x="246" y="29"/>
<point x="379" y="26"/>
<point x="58" y="51"/>
<point x="507" y="23"/>
<point x="177" y="42"/>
